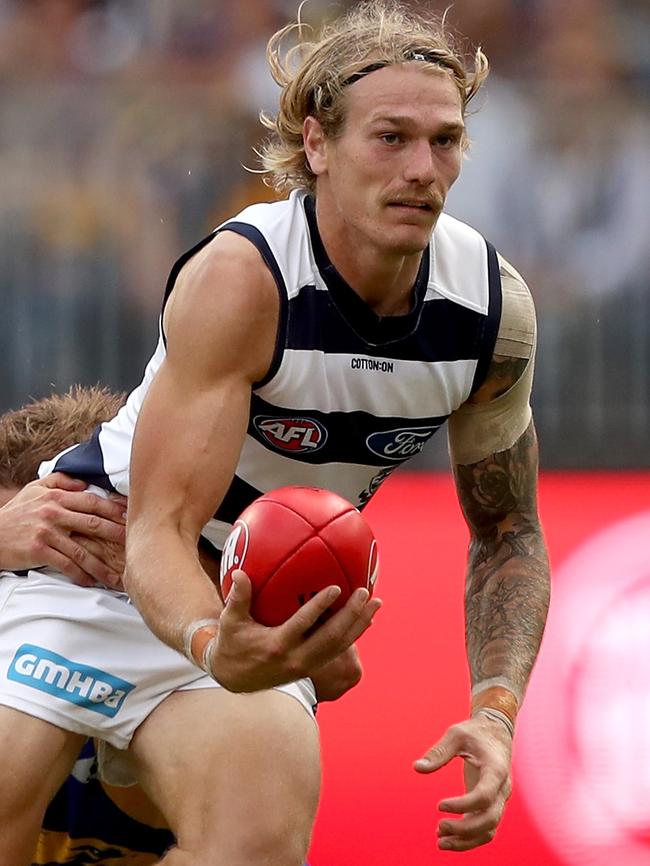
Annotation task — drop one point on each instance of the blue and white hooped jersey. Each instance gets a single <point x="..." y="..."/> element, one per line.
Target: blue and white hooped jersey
<point x="350" y="395"/>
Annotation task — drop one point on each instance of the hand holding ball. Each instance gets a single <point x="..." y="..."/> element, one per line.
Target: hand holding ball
<point x="294" y="542"/>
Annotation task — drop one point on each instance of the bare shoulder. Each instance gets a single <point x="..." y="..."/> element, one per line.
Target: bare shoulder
<point x="228" y="253"/>
<point x="225" y="304"/>
<point x="229" y="270"/>
<point x="515" y="344"/>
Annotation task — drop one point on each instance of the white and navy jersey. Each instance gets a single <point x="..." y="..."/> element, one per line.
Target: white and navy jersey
<point x="350" y="395"/>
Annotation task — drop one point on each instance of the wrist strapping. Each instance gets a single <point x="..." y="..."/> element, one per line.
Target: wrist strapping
<point x="499" y="703"/>
<point x="498" y="716"/>
<point x="197" y="639"/>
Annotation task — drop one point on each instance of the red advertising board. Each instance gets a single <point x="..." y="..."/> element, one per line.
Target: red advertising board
<point x="582" y="752"/>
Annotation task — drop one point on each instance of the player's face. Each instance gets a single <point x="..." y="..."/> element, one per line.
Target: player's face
<point x="386" y="177"/>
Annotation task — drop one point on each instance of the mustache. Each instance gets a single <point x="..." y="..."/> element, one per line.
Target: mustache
<point x="431" y="198"/>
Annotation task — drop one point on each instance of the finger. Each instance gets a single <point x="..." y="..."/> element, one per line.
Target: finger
<point x="90" y="503"/>
<point x="447" y="747"/>
<point x="308" y="614"/>
<point x="341" y="630"/>
<point x="456" y="843"/>
<point x="480" y="798"/>
<point x="110" y="555"/>
<point x="473" y="825"/>
<point x="80" y="564"/>
<point x="93" y="526"/>
<point x="364" y="621"/>
<point x="336" y="627"/>
<point x="61" y="481"/>
<point x="66" y="566"/>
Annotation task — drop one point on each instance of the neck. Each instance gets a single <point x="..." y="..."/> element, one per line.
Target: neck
<point x="382" y="278"/>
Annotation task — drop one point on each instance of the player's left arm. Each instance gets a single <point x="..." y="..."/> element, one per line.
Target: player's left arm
<point x="495" y="461"/>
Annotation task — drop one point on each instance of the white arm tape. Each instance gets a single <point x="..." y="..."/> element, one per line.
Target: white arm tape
<point x="498" y="716"/>
<point x="188" y="637"/>
<point x="477" y="430"/>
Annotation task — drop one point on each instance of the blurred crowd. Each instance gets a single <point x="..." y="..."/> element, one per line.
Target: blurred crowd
<point x="125" y="126"/>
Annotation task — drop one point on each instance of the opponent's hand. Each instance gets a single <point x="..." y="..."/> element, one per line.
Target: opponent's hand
<point x="246" y="656"/>
<point x="111" y="553"/>
<point x="486" y="747"/>
<point x="44" y="525"/>
<point x="337" y="677"/>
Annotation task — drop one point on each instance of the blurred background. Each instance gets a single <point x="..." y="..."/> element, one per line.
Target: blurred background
<point x="124" y="125"/>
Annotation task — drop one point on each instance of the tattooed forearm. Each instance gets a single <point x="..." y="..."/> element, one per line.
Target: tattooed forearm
<point x="508" y="587"/>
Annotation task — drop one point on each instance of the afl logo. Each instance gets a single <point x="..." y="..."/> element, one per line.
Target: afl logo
<point x="234" y="549"/>
<point x="400" y="444"/>
<point x="298" y="435"/>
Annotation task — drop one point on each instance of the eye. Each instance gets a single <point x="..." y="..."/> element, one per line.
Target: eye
<point x="446" y="141"/>
<point x="390" y="138"/>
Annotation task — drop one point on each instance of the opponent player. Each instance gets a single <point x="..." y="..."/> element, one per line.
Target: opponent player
<point x="45" y="521"/>
<point x="55" y="522"/>
<point x="317" y="340"/>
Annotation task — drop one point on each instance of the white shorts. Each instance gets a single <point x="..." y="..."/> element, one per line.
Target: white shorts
<point x="84" y="660"/>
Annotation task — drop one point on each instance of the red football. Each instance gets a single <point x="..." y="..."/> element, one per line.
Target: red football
<point x="295" y="541"/>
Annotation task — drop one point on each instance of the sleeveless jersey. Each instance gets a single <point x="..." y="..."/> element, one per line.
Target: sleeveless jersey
<point x="350" y="395"/>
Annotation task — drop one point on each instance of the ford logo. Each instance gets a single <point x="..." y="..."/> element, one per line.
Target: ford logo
<point x="399" y="444"/>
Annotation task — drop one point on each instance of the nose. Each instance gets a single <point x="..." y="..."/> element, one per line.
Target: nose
<point x="419" y="166"/>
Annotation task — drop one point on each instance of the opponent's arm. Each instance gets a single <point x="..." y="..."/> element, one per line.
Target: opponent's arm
<point x="221" y="324"/>
<point x="495" y="461"/>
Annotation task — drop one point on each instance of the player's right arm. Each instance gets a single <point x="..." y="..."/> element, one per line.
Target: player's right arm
<point x="221" y="324"/>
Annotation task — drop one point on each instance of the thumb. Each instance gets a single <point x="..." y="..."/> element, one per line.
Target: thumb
<point x="240" y="595"/>
<point x="438" y="755"/>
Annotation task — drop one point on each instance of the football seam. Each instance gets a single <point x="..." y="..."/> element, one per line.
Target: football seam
<point x="333" y="552"/>
<point x="304" y="519"/>
<point x="315" y="533"/>
<point x="260" y="587"/>
<point x="291" y="553"/>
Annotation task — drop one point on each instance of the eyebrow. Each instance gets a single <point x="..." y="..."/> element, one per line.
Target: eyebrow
<point x="399" y="120"/>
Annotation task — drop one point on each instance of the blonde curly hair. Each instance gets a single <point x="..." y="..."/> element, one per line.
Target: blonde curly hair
<point x="314" y="74"/>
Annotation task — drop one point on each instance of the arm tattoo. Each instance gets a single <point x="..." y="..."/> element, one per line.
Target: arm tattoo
<point x="508" y="587"/>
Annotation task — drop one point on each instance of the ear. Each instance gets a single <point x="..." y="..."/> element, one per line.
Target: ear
<point x="315" y="143"/>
